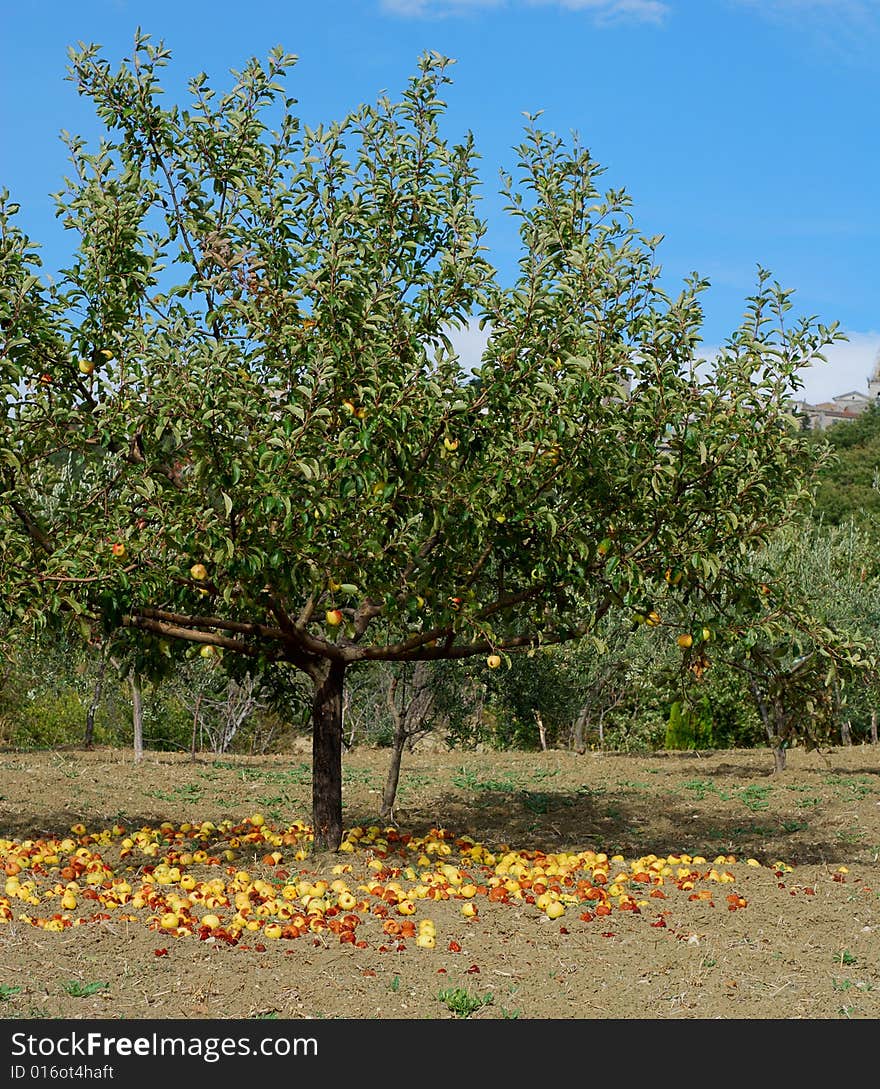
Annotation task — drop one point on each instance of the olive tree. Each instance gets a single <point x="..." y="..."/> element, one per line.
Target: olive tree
<point x="803" y="640"/>
<point x="238" y="417"/>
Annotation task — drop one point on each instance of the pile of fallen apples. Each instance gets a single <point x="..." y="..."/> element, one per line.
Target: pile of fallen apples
<point x="247" y="880"/>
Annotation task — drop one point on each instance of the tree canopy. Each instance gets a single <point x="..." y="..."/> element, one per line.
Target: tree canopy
<point x="239" y="419"/>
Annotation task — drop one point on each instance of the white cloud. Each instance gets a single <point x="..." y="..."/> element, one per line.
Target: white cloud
<point x="603" y="10"/>
<point x="469" y="343"/>
<point x="651" y="11"/>
<point x="849" y="364"/>
<point x="846" y="29"/>
<point x="838" y="8"/>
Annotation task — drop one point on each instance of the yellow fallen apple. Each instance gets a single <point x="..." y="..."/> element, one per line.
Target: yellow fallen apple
<point x="272" y="930"/>
<point x="211" y="921"/>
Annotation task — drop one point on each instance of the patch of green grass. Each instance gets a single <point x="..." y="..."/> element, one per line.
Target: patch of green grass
<point x="542" y="774"/>
<point x="299" y="775"/>
<point x="591" y="792"/>
<point x="794" y="826"/>
<point x="752" y="830"/>
<point x="462" y="1003"/>
<point x="858" y="786"/>
<point x="465" y="779"/>
<point x="845" y="957"/>
<point x="754" y="796"/>
<point x="699" y="788"/>
<point x="189" y="792"/>
<point x="850" y="984"/>
<point x="357" y="775"/>
<point x="808" y="803"/>
<point x="535" y="802"/>
<point x="75" y="989"/>
<point x="7" y="990"/>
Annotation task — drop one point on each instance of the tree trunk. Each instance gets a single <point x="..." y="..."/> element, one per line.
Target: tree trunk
<point x="327" y="758"/>
<point x="137" y="715"/>
<point x="96" y="699"/>
<point x="192" y="752"/>
<point x="874" y="727"/>
<point x="542" y="732"/>
<point x="580" y="728"/>
<point x="389" y="794"/>
<point x="778" y="759"/>
<point x="846" y="732"/>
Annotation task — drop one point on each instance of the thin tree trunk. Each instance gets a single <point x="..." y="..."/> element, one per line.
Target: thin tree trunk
<point x="846" y="732"/>
<point x="392" y="779"/>
<point x="137" y="715"/>
<point x="778" y="759"/>
<point x="327" y="758"/>
<point x="874" y="727"/>
<point x="580" y="727"/>
<point x="198" y="705"/>
<point x="542" y="732"/>
<point x="96" y="699"/>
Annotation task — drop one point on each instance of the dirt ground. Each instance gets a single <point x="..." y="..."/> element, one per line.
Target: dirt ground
<point x="669" y="886"/>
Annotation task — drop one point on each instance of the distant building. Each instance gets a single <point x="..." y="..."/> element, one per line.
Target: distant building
<point x="845" y="406"/>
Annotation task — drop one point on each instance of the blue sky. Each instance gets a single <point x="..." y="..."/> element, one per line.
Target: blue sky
<point x="746" y="131"/>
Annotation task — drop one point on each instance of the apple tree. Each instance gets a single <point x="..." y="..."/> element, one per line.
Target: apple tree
<point x="238" y="417"/>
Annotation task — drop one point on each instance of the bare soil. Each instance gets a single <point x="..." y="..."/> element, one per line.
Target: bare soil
<point x="693" y="886"/>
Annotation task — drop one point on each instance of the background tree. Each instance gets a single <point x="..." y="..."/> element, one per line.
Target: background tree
<point x="848" y="483"/>
<point x="237" y="418"/>
<point x="805" y="638"/>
